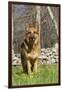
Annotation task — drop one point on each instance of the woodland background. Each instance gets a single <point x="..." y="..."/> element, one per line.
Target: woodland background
<point x="47" y="18"/>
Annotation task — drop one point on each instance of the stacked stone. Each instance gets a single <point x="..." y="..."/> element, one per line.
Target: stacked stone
<point x="16" y="59"/>
<point x="49" y="55"/>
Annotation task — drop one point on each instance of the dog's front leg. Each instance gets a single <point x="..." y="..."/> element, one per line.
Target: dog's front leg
<point x="28" y="67"/>
<point x="35" y="66"/>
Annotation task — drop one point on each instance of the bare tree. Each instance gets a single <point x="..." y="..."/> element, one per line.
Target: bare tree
<point x="52" y="17"/>
<point x="38" y="20"/>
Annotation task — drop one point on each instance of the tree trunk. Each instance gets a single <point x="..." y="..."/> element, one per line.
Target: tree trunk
<point x="52" y="17"/>
<point x="38" y="20"/>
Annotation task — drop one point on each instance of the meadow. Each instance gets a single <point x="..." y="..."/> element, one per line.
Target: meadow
<point x="47" y="74"/>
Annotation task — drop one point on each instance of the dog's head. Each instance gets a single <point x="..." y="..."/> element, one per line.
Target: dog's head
<point x="32" y="33"/>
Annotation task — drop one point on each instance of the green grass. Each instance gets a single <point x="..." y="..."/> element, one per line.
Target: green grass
<point x="47" y="74"/>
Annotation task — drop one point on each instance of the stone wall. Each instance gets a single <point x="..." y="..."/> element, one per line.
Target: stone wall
<point x="47" y="56"/>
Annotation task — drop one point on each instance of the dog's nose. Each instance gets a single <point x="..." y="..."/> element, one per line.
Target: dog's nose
<point x="32" y="35"/>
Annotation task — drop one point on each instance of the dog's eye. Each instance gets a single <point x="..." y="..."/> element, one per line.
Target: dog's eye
<point x="29" y="32"/>
<point x="35" y="32"/>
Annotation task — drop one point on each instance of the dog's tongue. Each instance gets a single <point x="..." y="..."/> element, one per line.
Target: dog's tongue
<point x="31" y="41"/>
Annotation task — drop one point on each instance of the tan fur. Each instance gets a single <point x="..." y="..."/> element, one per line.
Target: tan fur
<point x="30" y="50"/>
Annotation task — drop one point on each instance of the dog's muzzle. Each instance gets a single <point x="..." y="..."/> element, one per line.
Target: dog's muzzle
<point x="31" y="38"/>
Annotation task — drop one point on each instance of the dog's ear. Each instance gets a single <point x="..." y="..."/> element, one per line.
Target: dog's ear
<point x="26" y="27"/>
<point x="29" y="25"/>
<point x="37" y="27"/>
<point x="32" y="25"/>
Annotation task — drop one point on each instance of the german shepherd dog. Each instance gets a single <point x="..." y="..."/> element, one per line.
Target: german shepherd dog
<point x="30" y="49"/>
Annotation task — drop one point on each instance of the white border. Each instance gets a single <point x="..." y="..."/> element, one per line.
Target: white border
<point x="4" y="43"/>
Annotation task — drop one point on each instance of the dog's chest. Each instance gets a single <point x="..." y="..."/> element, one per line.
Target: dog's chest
<point x="32" y="55"/>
